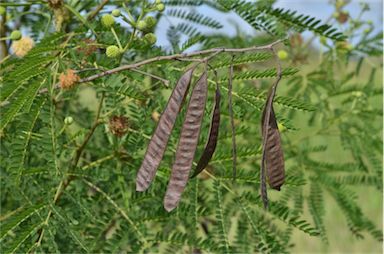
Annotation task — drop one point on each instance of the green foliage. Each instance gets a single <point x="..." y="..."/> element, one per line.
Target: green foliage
<point x="71" y="187"/>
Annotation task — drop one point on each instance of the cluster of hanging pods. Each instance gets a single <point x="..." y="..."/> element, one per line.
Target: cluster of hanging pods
<point x="189" y="137"/>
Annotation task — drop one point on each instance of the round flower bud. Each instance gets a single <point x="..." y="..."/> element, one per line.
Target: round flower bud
<point x="160" y="7"/>
<point x="282" y="54"/>
<point x="150" y="38"/>
<point x="281" y="127"/>
<point x="116" y="12"/>
<point x="155" y="116"/>
<point x="141" y="25"/>
<point x="340" y="3"/>
<point x="151" y="21"/>
<point x="68" y="120"/>
<point x="336" y="14"/>
<point x="107" y="20"/>
<point x="158" y="2"/>
<point x="15" y="35"/>
<point x="357" y="93"/>
<point x="2" y="10"/>
<point x="113" y="51"/>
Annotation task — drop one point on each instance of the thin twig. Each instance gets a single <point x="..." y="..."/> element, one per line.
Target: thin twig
<point x="215" y="51"/>
<point x="165" y="81"/>
<point x="3" y="32"/>
<point x="268" y="108"/>
<point x="97" y="10"/>
<point x="96" y="123"/>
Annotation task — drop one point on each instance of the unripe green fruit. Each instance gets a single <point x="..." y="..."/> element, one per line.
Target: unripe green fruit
<point x="68" y="120"/>
<point x="2" y="10"/>
<point x="151" y="21"/>
<point x="281" y="127"/>
<point x="357" y="93"/>
<point x="349" y="47"/>
<point x="116" y="13"/>
<point x="336" y="14"/>
<point x="142" y="25"/>
<point x="150" y="38"/>
<point x="113" y="51"/>
<point x="160" y="7"/>
<point x="282" y="54"/>
<point x="107" y="20"/>
<point x="340" y="3"/>
<point x="15" y="35"/>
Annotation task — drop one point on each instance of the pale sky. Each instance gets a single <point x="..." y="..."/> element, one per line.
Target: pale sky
<point x="318" y="8"/>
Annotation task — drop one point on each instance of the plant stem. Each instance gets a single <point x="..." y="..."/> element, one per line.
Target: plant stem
<point x="215" y="51"/>
<point x="65" y="182"/>
<point x="97" y="10"/>
<point x="116" y="38"/>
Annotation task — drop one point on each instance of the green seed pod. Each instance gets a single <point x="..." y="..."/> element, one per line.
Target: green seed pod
<point x="281" y="127"/>
<point x="15" y="35"/>
<point x="116" y="13"/>
<point x="160" y="7"/>
<point x="107" y="20"/>
<point x="367" y="30"/>
<point x="151" y="21"/>
<point x="2" y="10"/>
<point x="68" y="120"/>
<point x="282" y="54"/>
<point x="142" y="25"/>
<point x="340" y="4"/>
<point x="150" y="38"/>
<point x="113" y="51"/>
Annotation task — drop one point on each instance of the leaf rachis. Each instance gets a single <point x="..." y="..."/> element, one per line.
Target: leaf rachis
<point x="230" y="109"/>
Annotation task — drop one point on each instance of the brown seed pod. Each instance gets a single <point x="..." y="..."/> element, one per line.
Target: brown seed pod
<point x="159" y="140"/>
<point x="186" y="148"/>
<point x="213" y="135"/>
<point x="274" y="157"/>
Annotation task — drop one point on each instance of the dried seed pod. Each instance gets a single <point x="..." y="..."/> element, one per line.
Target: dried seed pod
<point x="274" y="157"/>
<point x="159" y="140"/>
<point x="213" y="135"/>
<point x="186" y="148"/>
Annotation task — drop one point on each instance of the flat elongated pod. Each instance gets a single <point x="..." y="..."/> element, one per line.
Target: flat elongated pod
<point x="159" y="140"/>
<point x="213" y="136"/>
<point x="186" y="148"/>
<point x="274" y="157"/>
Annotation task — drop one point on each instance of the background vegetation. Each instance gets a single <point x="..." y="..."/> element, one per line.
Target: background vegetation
<point x="70" y="151"/>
